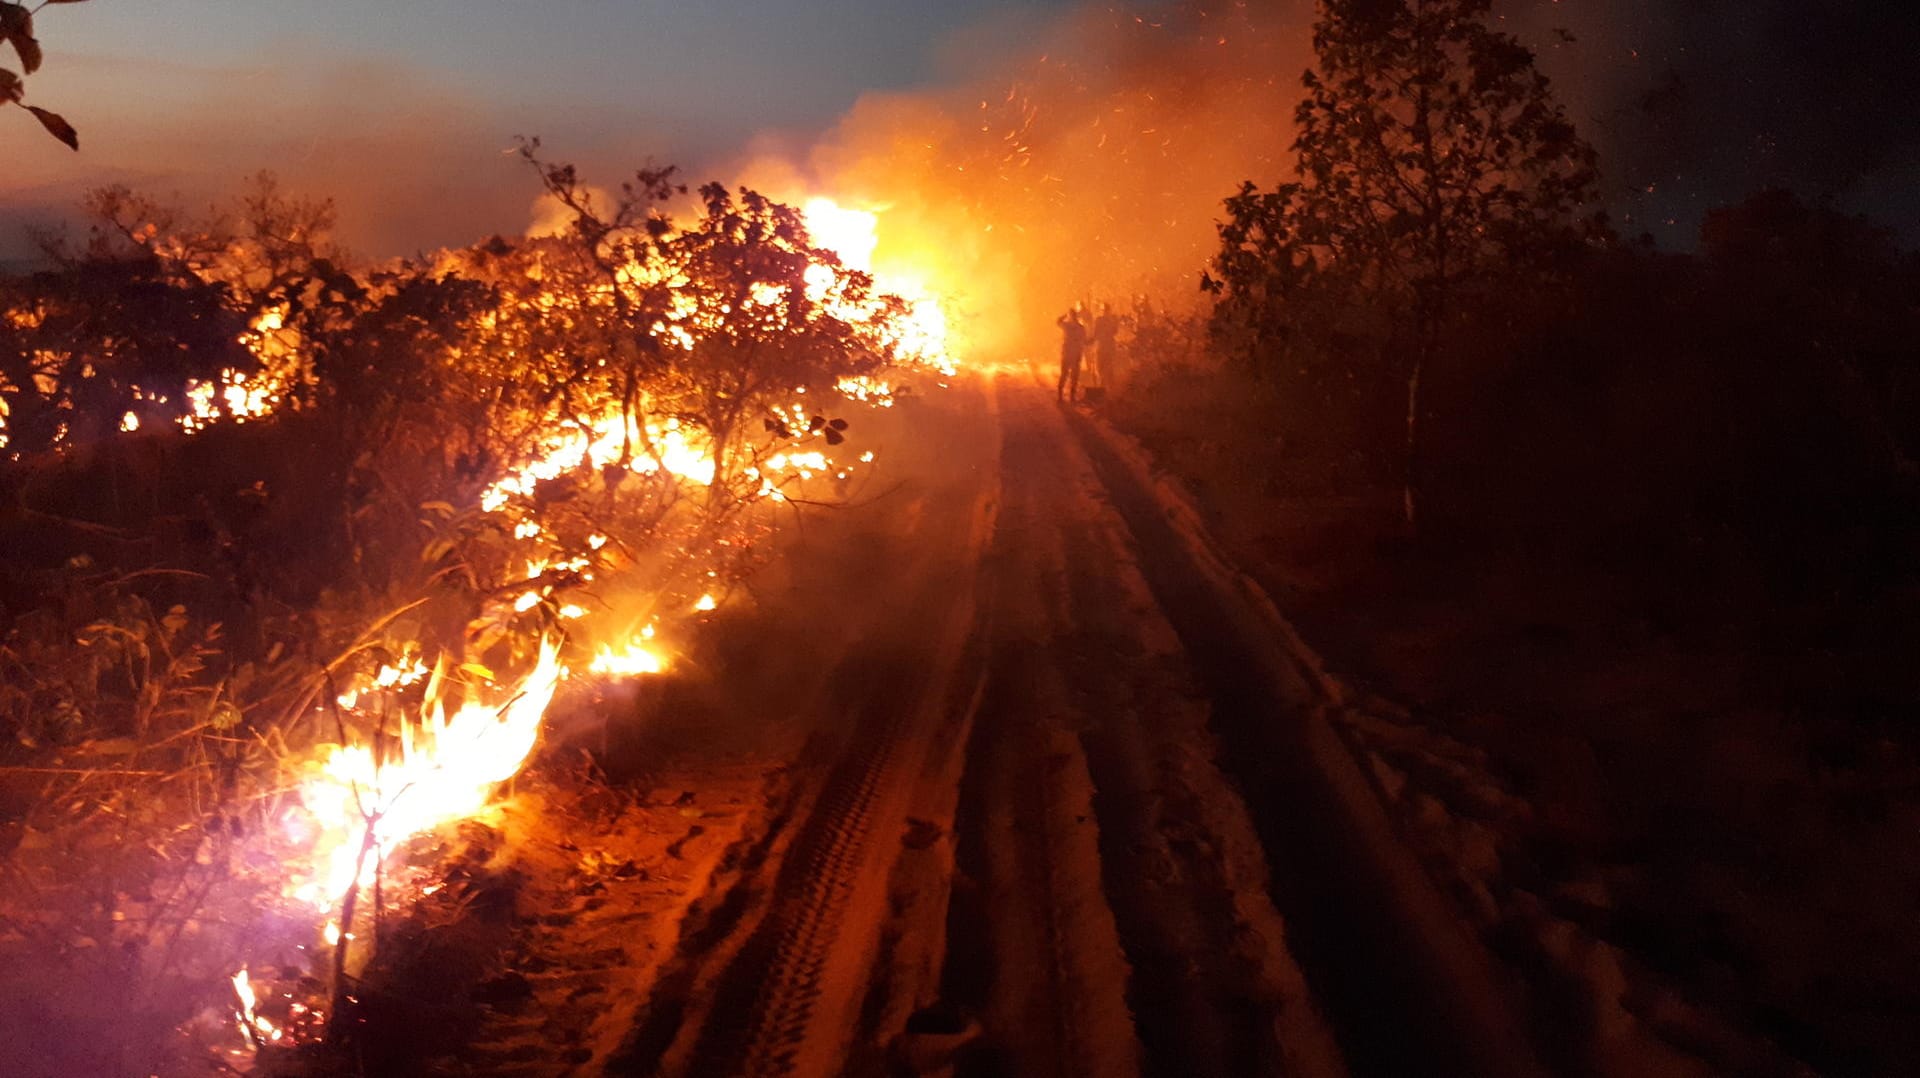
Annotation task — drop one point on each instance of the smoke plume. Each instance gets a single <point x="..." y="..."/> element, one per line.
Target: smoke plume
<point x="1087" y="166"/>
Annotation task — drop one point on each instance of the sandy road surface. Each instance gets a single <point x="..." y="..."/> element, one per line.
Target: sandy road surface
<point x="1114" y="889"/>
<point x="1021" y="858"/>
<point x="1034" y="811"/>
<point x="775" y="967"/>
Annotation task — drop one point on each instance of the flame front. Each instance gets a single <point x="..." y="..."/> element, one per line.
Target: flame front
<point x="364" y="799"/>
<point x="853" y="236"/>
<point x="442" y="768"/>
<point x="636" y="658"/>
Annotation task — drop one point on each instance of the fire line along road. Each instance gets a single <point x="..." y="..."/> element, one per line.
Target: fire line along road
<point x="1038" y="790"/>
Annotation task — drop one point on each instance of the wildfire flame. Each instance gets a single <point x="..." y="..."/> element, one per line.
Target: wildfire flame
<point x="443" y="768"/>
<point x="663" y="446"/>
<point x="636" y="658"/>
<point x="853" y="236"/>
<point x="253" y="1026"/>
<point x="246" y="396"/>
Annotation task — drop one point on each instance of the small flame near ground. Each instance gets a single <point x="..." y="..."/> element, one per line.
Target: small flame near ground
<point x="257" y="1029"/>
<point x="445" y="767"/>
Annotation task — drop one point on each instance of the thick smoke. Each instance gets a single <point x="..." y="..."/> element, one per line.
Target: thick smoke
<point x="1082" y="158"/>
<point x="1088" y="166"/>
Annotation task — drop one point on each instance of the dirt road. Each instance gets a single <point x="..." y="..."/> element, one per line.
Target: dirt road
<point x="1053" y="803"/>
<point x="1112" y="892"/>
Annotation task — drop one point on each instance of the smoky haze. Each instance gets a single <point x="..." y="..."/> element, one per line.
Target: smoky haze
<point x="1053" y="159"/>
<point x="413" y="163"/>
<point x="1089" y="160"/>
<point x="1086" y="165"/>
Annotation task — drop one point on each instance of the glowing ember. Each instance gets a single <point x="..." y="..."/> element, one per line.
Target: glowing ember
<point x="635" y="659"/>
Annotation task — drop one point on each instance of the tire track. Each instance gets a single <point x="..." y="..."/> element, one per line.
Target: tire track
<point x="1126" y="906"/>
<point x="788" y="999"/>
<point x="765" y="999"/>
<point x="1406" y="987"/>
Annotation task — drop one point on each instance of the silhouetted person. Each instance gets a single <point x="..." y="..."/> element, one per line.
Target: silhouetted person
<point x="1073" y="344"/>
<point x="1106" y="346"/>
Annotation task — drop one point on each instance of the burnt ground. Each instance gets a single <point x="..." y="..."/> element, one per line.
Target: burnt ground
<point x="1003" y="771"/>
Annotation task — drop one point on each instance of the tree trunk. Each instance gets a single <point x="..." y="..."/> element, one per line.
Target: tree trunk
<point x="1410" y="476"/>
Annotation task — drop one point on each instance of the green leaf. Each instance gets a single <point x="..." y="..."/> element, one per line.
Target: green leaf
<point x="57" y="126"/>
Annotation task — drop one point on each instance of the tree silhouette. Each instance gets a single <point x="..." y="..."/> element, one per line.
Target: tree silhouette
<point x="1431" y="154"/>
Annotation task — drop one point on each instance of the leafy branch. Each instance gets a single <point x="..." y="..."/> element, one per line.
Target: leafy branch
<point x="16" y="28"/>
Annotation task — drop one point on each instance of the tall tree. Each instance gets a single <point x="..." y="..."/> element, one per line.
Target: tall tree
<point x="1431" y="155"/>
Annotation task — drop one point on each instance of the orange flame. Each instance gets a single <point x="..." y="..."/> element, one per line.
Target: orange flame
<point x="853" y="235"/>
<point x="445" y="769"/>
<point x="254" y="1027"/>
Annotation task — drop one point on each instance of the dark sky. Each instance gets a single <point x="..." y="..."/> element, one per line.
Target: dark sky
<point x="1695" y="103"/>
<point x="402" y="108"/>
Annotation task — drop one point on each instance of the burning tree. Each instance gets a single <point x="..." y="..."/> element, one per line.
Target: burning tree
<point x="156" y="320"/>
<point x="657" y="381"/>
<point x="1431" y="159"/>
